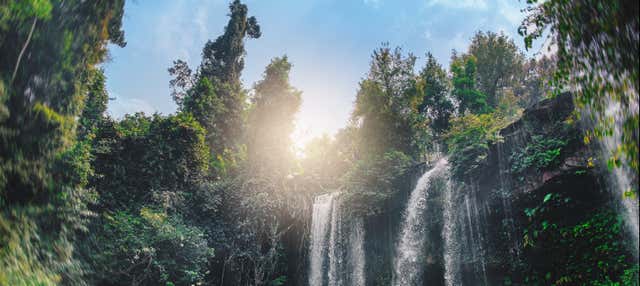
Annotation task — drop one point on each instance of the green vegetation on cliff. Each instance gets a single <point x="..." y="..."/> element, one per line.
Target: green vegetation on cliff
<point x="215" y="193"/>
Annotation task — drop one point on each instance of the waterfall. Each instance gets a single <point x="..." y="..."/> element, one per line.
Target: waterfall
<point x="450" y="234"/>
<point x="409" y="252"/>
<point x="336" y="253"/>
<point x="621" y="178"/>
<point x="322" y="207"/>
<point x="356" y="253"/>
<point x="335" y="245"/>
<point x="464" y="245"/>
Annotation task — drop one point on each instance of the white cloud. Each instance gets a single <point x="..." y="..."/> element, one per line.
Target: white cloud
<point x="466" y="4"/>
<point x="459" y="43"/>
<point x="427" y="35"/>
<point x="183" y="26"/>
<point x="119" y="106"/>
<point x="510" y="12"/>
<point x="372" y="3"/>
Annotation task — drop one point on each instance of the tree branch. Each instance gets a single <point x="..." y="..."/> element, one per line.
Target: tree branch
<point x="24" y="48"/>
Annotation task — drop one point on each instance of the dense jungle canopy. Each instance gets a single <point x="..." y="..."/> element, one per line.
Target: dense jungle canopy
<point x="216" y="194"/>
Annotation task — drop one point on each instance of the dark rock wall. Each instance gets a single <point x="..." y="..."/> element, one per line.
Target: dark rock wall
<point x="489" y="205"/>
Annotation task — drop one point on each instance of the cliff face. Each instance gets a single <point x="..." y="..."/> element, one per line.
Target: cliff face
<point x="506" y="192"/>
<point x="517" y="218"/>
<point x="478" y="230"/>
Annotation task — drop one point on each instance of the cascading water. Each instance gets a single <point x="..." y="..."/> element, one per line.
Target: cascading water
<point x="356" y="253"/>
<point x="335" y="245"/>
<point x="450" y="234"/>
<point x="616" y="106"/>
<point x="336" y="254"/>
<point x="620" y="178"/>
<point x="464" y="249"/>
<point x="409" y="252"/>
<point x="322" y="207"/>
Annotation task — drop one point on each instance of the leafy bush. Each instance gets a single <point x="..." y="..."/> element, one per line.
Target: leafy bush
<point x="372" y="182"/>
<point x="21" y="245"/>
<point x="591" y="251"/>
<point x="151" y="248"/>
<point x="468" y="141"/>
<point x="541" y="153"/>
<point x="470" y="136"/>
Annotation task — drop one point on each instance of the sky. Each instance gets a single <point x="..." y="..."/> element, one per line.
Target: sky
<point x="329" y="43"/>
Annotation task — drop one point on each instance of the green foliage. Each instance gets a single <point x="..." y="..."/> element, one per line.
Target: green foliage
<point x="143" y="200"/>
<point x="95" y="105"/>
<point x="150" y="248"/>
<point x="469" y="138"/>
<point x="589" y="251"/>
<point x="464" y="85"/>
<point x="386" y="107"/>
<point x="271" y="120"/>
<point x="499" y="64"/>
<point x="141" y="158"/>
<point x="48" y="49"/>
<point x="40" y="9"/>
<point x="214" y="94"/>
<point x="535" y="82"/>
<point x="436" y="105"/>
<point x="327" y="159"/>
<point x="19" y="254"/>
<point x="278" y="281"/>
<point x="206" y="106"/>
<point x="372" y="182"/>
<point x="540" y="153"/>
<point x="597" y="54"/>
<point x="149" y="173"/>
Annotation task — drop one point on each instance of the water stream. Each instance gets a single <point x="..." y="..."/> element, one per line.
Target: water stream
<point x="337" y="255"/>
<point x="408" y="265"/>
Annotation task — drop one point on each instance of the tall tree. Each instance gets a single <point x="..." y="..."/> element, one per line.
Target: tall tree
<point x="95" y="104"/>
<point x="536" y="79"/>
<point x="463" y="70"/>
<point x="498" y="63"/>
<point x="149" y="175"/>
<point x="271" y="119"/>
<point x="48" y="49"/>
<point x="264" y="186"/>
<point x="214" y="94"/>
<point x="386" y="104"/>
<point x="436" y="104"/>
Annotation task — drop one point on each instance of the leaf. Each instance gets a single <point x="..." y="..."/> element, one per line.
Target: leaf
<point x="547" y="197"/>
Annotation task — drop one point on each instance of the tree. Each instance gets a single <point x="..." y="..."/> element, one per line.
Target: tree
<point x="535" y="82"/>
<point x="205" y="104"/>
<point x="498" y="64"/>
<point x="463" y="70"/>
<point x="95" y="105"/>
<point x="271" y="120"/>
<point x="436" y="104"/>
<point x="223" y="59"/>
<point x="49" y="49"/>
<point x="597" y="47"/>
<point x="386" y="105"/>
<point x="182" y="82"/>
<point x="222" y="64"/>
<point x="150" y="173"/>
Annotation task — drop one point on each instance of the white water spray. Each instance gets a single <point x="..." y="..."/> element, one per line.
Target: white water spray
<point x="337" y="255"/>
<point x="319" y="228"/>
<point x="409" y="253"/>
<point x="620" y="178"/>
<point x="450" y="234"/>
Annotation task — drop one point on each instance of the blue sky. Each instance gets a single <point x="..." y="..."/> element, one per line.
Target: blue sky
<point x="329" y="43"/>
